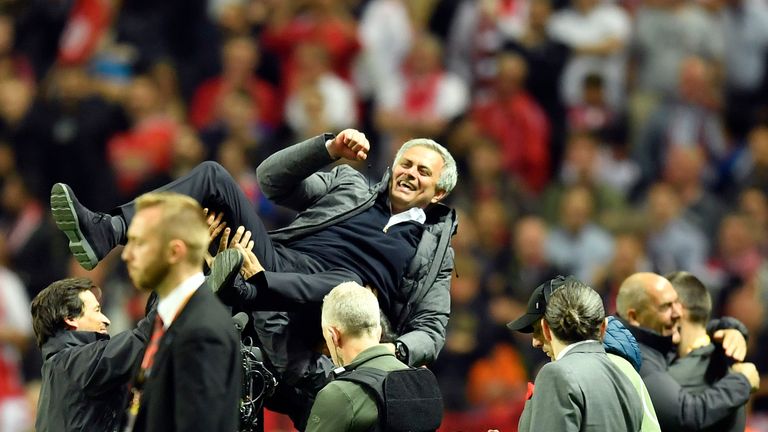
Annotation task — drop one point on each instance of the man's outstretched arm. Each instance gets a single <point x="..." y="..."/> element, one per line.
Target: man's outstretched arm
<point x="286" y="177"/>
<point x="105" y="365"/>
<point x="678" y="409"/>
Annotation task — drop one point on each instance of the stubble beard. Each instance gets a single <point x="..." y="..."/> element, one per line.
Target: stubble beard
<point x="152" y="276"/>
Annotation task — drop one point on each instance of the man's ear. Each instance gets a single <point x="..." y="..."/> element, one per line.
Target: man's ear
<point x="71" y="322"/>
<point x="177" y="251"/>
<point x="546" y="331"/>
<point x="632" y="316"/>
<point x="439" y="194"/>
<point x="335" y="336"/>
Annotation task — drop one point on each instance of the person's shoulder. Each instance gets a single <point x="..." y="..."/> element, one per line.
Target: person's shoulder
<point x="583" y="360"/>
<point x="626" y="369"/>
<point x="653" y="360"/>
<point x="63" y="350"/>
<point x="387" y="363"/>
<point x="564" y="375"/>
<point x="335" y="406"/>
<point x="204" y="299"/>
<point x="344" y="174"/>
<point x="705" y="351"/>
<point x="339" y="392"/>
<point x="560" y="369"/>
<point x="206" y="315"/>
<point x="620" y="362"/>
<point x="698" y="358"/>
<point x="438" y="214"/>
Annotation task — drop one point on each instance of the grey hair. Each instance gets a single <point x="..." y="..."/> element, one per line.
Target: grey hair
<point x="353" y="309"/>
<point x="449" y="176"/>
<point x="575" y="312"/>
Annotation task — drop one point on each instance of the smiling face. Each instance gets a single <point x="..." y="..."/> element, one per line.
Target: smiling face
<point x="92" y="319"/>
<point x="414" y="179"/>
<point x="663" y="311"/>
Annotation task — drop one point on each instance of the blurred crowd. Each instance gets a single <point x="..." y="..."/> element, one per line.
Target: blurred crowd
<point x="594" y="137"/>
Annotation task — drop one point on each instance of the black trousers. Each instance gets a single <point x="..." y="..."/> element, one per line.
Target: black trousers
<point x="295" y="279"/>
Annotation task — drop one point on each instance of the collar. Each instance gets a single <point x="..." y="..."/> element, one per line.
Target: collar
<point x="702" y="351"/>
<point x="369" y="353"/>
<point x="649" y="338"/>
<point x="702" y="341"/>
<point x="567" y="349"/>
<point x="169" y="307"/>
<point x="415" y="214"/>
<point x="68" y="339"/>
<point x="375" y="351"/>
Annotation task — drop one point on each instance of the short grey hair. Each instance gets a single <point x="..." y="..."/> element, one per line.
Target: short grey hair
<point x="449" y="176"/>
<point x="353" y="309"/>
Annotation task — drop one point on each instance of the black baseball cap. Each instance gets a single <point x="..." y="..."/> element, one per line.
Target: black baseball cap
<point x="537" y="304"/>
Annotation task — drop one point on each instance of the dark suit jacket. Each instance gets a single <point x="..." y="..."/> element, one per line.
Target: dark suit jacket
<point x="583" y="391"/>
<point x="195" y="382"/>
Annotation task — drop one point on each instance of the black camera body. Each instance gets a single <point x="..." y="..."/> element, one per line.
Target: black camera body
<point x="258" y="382"/>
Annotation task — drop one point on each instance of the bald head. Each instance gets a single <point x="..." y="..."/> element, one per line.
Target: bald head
<point x="632" y="293"/>
<point x="650" y="301"/>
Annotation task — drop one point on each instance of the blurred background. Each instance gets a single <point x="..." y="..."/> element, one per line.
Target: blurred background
<point x="593" y="137"/>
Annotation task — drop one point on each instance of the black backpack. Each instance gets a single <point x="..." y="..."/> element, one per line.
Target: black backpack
<point x="408" y="400"/>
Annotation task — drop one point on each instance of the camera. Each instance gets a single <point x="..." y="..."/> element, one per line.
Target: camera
<point x="258" y="382"/>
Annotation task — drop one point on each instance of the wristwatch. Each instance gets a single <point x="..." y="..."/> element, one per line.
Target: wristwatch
<point x="401" y="352"/>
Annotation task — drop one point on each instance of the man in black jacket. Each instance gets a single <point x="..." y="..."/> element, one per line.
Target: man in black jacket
<point x="700" y="363"/>
<point x="85" y="372"/>
<point x="649" y="307"/>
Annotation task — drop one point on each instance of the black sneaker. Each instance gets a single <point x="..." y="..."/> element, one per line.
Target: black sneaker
<point x="226" y="266"/>
<point x="91" y="235"/>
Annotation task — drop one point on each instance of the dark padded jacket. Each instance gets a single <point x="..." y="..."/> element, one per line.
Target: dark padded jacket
<point x="293" y="178"/>
<point x="677" y="408"/>
<point x="85" y="378"/>
<point x="620" y="341"/>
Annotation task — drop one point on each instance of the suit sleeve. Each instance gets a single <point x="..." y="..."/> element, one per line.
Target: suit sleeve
<point x="557" y="402"/>
<point x="288" y="291"/>
<point x="424" y="333"/>
<point x="290" y="177"/>
<point x="679" y="409"/>
<point x="300" y="288"/>
<point x="104" y="365"/>
<point x="331" y="412"/>
<point x="204" y="372"/>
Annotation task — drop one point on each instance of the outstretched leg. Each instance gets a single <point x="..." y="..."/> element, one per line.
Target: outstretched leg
<point x="93" y="235"/>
